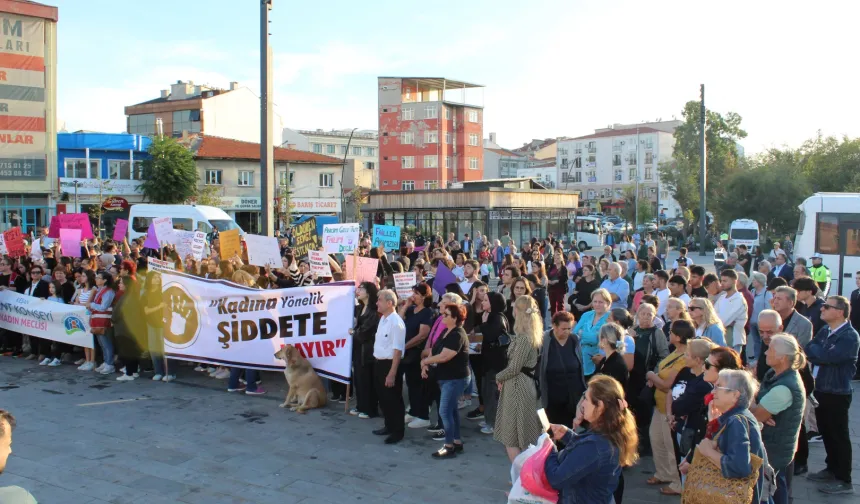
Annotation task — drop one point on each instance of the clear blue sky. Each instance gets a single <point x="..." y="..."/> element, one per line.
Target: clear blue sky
<point x="551" y="67"/>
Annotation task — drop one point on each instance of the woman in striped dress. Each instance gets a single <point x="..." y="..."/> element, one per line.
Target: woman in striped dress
<point x="517" y="423"/>
<point x="82" y="297"/>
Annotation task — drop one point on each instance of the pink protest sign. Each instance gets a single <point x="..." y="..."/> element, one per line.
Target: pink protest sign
<point x="70" y="241"/>
<point x="151" y="239"/>
<point x="71" y="221"/>
<point x="120" y="229"/>
<point x="365" y="270"/>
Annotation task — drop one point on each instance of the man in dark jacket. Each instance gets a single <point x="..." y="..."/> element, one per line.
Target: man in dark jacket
<point x="808" y="303"/>
<point x="833" y="351"/>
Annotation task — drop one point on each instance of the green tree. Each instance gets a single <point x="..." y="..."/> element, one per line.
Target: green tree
<point x="209" y="196"/>
<point x="722" y="133"/>
<point x="170" y="174"/>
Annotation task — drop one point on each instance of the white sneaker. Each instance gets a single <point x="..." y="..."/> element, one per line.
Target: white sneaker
<point x="354" y="412"/>
<point x="482" y="424"/>
<point x="408" y="418"/>
<point x="419" y="423"/>
<point x="55" y="363"/>
<point x="45" y="361"/>
<point x="464" y="403"/>
<point x="168" y="378"/>
<point x="136" y="375"/>
<point x="363" y="416"/>
<point x="108" y="370"/>
<point x="125" y="377"/>
<point x="487" y="430"/>
<point x="157" y="377"/>
<point x="87" y="366"/>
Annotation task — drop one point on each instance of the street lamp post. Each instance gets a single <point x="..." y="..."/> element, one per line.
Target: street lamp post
<point x="342" y="171"/>
<point x="267" y="164"/>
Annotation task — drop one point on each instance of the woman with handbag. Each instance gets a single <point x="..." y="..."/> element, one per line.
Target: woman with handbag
<point x="729" y="466"/>
<point x="496" y="338"/>
<point x="659" y="433"/>
<point x="589" y="467"/>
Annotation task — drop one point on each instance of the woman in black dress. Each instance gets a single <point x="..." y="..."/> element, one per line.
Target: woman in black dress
<point x="580" y="300"/>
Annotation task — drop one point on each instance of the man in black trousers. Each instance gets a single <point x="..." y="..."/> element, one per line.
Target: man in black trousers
<point x="387" y="350"/>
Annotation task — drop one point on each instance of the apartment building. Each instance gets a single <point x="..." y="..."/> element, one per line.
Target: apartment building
<point x="362" y="147"/>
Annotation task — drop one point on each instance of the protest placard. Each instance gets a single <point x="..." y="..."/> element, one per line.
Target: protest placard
<point x="184" y="240"/>
<point x="66" y="323"/>
<point x="71" y="221"/>
<point x="164" y="230"/>
<point x="14" y="242"/>
<point x="154" y="264"/>
<point x="263" y="250"/>
<point x="230" y="245"/>
<point x="319" y="263"/>
<point x="340" y="237"/>
<point x="364" y="271"/>
<point x="223" y="324"/>
<point x="387" y="237"/>
<point x="306" y="237"/>
<point x="198" y="245"/>
<point x="403" y="283"/>
<point x="70" y="242"/>
<point x="119" y="230"/>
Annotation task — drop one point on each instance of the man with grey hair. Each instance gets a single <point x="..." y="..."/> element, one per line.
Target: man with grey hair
<point x="766" y="268"/>
<point x="618" y="287"/>
<point x="11" y="494"/>
<point x="388" y="349"/>
<point x="833" y="352"/>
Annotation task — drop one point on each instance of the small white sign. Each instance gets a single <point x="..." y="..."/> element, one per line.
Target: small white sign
<point x="263" y="250"/>
<point x="403" y="283"/>
<point x="340" y="238"/>
<point x="319" y="263"/>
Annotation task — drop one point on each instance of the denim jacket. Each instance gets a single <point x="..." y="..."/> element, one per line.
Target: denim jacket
<point x="740" y="438"/>
<point x="836" y="357"/>
<point x="586" y="470"/>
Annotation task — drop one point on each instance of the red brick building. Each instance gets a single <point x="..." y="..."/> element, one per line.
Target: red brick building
<point x="430" y="133"/>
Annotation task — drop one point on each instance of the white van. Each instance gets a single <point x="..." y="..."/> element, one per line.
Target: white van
<point x="743" y="232"/>
<point x="185" y="217"/>
<point x="586" y="233"/>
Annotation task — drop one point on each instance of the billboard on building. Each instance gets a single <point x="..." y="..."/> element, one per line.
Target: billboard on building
<point x="22" y="98"/>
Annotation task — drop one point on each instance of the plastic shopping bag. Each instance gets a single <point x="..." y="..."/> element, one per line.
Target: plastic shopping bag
<point x="533" y="475"/>
<point x="520" y="495"/>
<point x="521" y="459"/>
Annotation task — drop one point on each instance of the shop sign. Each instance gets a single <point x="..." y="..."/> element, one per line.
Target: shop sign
<point x="96" y="186"/>
<point x="115" y="203"/>
<point x="315" y="205"/>
<point x="240" y="202"/>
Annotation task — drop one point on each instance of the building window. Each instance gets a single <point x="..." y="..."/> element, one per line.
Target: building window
<point x="186" y="120"/>
<point x="329" y="149"/>
<point x="649" y="158"/>
<point x="371" y="151"/>
<point x="431" y="137"/>
<point x="448" y="137"/>
<point x="77" y="168"/>
<point x="370" y="165"/>
<point x="591" y="160"/>
<point x="618" y="175"/>
<point x="341" y="149"/>
<point x="408" y="114"/>
<point x="473" y="139"/>
<point x="431" y="161"/>
<point x="616" y="160"/>
<point x="577" y="162"/>
<point x="633" y="174"/>
<point x="317" y="148"/>
<point x="577" y="149"/>
<point x="447" y="114"/>
<point x="616" y="145"/>
<point x="473" y="163"/>
<point x="592" y="147"/>
<point x="649" y="143"/>
<point x="408" y="161"/>
<point x="576" y="177"/>
<point x="246" y="178"/>
<point x="591" y="176"/>
<point x="326" y="179"/>
<point x="407" y="138"/>
<point x="473" y="116"/>
<point x="647" y="173"/>
<point x="122" y="170"/>
<point x="282" y="180"/>
<point x="141" y="124"/>
<point x="213" y="177"/>
<point x="448" y="161"/>
<point x="431" y="112"/>
<point x="407" y="185"/>
<point x="631" y="159"/>
<point x="431" y="184"/>
<point x="356" y="151"/>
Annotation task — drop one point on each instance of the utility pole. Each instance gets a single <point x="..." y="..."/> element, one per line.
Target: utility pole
<point x="703" y="176"/>
<point x="267" y="149"/>
<point x="342" y="172"/>
<point x="636" y="198"/>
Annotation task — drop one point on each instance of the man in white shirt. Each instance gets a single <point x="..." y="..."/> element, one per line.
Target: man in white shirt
<point x="388" y="348"/>
<point x="470" y="275"/>
<point x="731" y="307"/>
<point x="678" y="289"/>
<point x="662" y="292"/>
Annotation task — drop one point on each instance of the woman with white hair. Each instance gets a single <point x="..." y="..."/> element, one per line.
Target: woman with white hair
<point x="517" y="423"/>
<point x="780" y="404"/>
<point x="761" y="301"/>
<point x="737" y="437"/>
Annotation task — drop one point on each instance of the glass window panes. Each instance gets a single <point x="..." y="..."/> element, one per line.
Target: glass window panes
<point x="329" y="149"/>
<point x="77" y="168"/>
<point x="326" y="179"/>
<point x="827" y="234"/>
<point x="213" y="177"/>
<point x="356" y="151"/>
<point x="142" y="124"/>
<point x="122" y="170"/>
<point x="186" y="120"/>
<point x="317" y="148"/>
<point x="246" y="178"/>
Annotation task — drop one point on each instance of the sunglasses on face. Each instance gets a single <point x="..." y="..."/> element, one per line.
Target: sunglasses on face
<point x="708" y="365"/>
<point x="829" y="307"/>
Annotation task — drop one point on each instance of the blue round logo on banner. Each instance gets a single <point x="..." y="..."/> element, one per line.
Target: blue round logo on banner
<point x="73" y="324"/>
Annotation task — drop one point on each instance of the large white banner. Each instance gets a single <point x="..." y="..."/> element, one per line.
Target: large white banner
<point x="45" y="319"/>
<point x="219" y="322"/>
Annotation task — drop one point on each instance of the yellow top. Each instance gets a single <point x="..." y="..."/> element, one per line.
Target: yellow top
<point x="675" y="361"/>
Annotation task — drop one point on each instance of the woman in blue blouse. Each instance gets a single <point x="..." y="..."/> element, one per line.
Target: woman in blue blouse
<point x="589" y="466"/>
<point x="588" y="330"/>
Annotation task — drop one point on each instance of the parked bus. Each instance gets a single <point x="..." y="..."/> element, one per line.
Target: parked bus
<point x="830" y="226"/>
<point x="586" y="233"/>
<point x="743" y="232"/>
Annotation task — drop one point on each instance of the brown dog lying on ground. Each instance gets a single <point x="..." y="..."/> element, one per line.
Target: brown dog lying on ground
<point x="306" y="388"/>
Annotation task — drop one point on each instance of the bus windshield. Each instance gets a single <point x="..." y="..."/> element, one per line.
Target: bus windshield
<point x="744" y="234"/>
<point x="587" y="226"/>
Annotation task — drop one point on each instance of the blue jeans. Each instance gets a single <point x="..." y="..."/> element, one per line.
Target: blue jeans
<point x="106" y="342"/>
<point x="155" y="341"/>
<point x="783" y="484"/>
<point x="451" y="391"/>
<point x="250" y="379"/>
